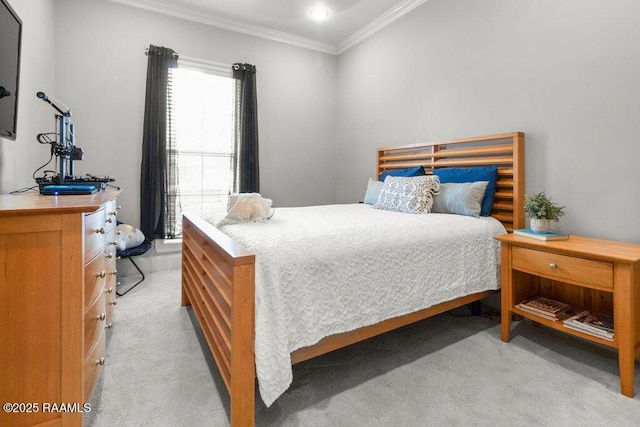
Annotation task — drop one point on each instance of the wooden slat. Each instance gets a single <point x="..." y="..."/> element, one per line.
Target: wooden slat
<point x="222" y="318"/>
<point x="494" y="137"/>
<point x="210" y="264"/>
<point x="223" y="366"/>
<point x="502" y="206"/>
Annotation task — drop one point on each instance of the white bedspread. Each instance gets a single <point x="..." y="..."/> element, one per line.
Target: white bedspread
<point x="322" y="270"/>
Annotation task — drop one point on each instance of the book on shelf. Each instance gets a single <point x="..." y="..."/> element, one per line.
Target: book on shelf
<point x="546" y="307"/>
<point x="527" y="232"/>
<point x="600" y="325"/>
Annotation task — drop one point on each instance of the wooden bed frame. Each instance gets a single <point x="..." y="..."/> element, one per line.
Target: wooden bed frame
<point x="218" y="273"/>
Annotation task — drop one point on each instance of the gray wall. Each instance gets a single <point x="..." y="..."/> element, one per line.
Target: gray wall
<point x="564" y="72"/>
<point x="101" y="72"/>
<point x="567" y="73"/>
<point x="20" y="158"/>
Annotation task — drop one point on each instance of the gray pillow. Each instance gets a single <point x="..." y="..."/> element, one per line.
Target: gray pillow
<point x="462" y="199"/>
<point x="408" y="194"/>
<point x="373" y="191"/>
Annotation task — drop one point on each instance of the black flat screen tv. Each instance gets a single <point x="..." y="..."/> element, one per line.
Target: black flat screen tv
<point x="10" y="39"/>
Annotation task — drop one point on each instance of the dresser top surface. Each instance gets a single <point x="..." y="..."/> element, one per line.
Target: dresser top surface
<point x="33" y="203"/>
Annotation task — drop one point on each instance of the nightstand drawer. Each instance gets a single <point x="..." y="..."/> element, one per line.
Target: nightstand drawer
<point x="562" y="267"/>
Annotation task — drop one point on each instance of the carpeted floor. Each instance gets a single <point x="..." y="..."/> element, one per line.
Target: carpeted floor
<point x="445" y="371"/>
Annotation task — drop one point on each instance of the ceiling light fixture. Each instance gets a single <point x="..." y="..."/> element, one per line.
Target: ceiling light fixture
<point x="319" y="13"/>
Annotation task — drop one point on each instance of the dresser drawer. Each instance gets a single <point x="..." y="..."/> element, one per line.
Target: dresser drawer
<point x="94" y="322"/>
<point x="563" y="267"/>
<point x="93" y="366"/>
<point x="94" y="234"/>
<point x="111" y="302"/>
<point x="110" y="212"/>
<point x="95" y="277"/>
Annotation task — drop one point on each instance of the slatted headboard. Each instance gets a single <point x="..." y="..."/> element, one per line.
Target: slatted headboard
<point x="505" y="150"/>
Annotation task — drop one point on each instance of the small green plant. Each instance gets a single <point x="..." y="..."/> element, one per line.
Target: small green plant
<point x="541" y="206"/>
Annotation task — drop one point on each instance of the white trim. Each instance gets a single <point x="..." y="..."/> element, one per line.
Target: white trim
<point x="202" y="17"/>
<point x="377" y="24"/>
<point x="229" y="24"/>
<point x="163" y="246"/>
<point x="217" y="68"/>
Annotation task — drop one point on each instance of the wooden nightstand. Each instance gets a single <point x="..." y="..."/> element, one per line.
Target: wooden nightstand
<point x="598" y="275"/>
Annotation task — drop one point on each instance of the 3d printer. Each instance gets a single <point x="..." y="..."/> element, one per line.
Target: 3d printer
<point x="65" y="150"/>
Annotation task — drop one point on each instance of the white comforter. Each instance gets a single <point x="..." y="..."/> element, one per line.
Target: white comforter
<point x="322" y="270"/>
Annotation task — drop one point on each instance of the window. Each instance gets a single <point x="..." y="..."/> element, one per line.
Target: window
<point x="202" y="103"/>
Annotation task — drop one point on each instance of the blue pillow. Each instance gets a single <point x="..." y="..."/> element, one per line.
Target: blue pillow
<point x="417" y="171"/>
<point x="460" y="175"/>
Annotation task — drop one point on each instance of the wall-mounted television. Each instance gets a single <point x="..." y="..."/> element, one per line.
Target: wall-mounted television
<point x="10" y="39"/>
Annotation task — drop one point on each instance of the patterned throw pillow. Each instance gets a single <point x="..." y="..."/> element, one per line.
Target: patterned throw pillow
<point x="408" y="194"/>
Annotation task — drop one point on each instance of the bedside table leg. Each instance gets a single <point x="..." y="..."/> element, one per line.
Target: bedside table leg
<point x="626" y="373"/>
<point x="624" y="302"/>
<point x="506" y="324"/>
<point x="506" y="290"/>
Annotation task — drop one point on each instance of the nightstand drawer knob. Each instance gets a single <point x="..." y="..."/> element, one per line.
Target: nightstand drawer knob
<point x="552" y="266"/>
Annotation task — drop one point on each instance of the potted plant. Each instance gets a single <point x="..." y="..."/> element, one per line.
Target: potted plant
<point x="541" y="209"/>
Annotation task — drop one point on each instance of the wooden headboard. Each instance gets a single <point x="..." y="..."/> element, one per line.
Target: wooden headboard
<point x="505" y="150"/>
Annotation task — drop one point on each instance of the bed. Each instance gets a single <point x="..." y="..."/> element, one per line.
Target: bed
<point x="219" y="271"/>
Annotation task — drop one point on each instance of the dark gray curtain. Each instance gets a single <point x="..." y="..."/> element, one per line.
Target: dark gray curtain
<point x="246" y="114"/>
<point x="159" y="200"/>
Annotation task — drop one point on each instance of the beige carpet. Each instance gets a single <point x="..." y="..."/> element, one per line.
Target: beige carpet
<point x="445" y="371"/>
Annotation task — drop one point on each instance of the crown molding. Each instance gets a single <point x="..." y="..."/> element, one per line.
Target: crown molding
<point x="201" y="17"/>
<point x="378" y="24"/>
<point x="166" y="8"/>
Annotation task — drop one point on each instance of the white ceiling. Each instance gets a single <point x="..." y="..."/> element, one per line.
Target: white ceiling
<point x="289" y="21"/>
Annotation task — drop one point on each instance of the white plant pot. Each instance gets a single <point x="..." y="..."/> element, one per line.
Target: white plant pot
<point x="540" y="225"/>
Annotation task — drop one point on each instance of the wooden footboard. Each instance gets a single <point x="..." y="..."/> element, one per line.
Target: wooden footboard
<point x="218" y="282"/>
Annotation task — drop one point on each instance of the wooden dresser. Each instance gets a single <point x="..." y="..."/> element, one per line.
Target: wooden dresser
<point x="57" y="295"/>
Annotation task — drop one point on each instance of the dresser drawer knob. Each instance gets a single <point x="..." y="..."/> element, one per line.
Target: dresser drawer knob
<point x="110" y="290"/>
<point x="109" y="220"/>
<point x="100" y="230"/>
<point x="102" y="274"/>
<point x="102" y="316"/>
<point x="114" y="272"/>
<point x="552" y="266"/>
<point x="109" y="325"/>
<point x="100" y="361"/>
<point x="109" y="256"/>
<point x="114" y="302"/>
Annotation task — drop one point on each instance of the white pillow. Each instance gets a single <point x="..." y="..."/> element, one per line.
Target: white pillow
<point x="128" y="236"/>
<point x="247" y="207"/>
<point x="408" y="194"/>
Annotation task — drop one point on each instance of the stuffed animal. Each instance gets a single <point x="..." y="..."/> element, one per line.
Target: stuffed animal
<point x="247" y="207"/>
